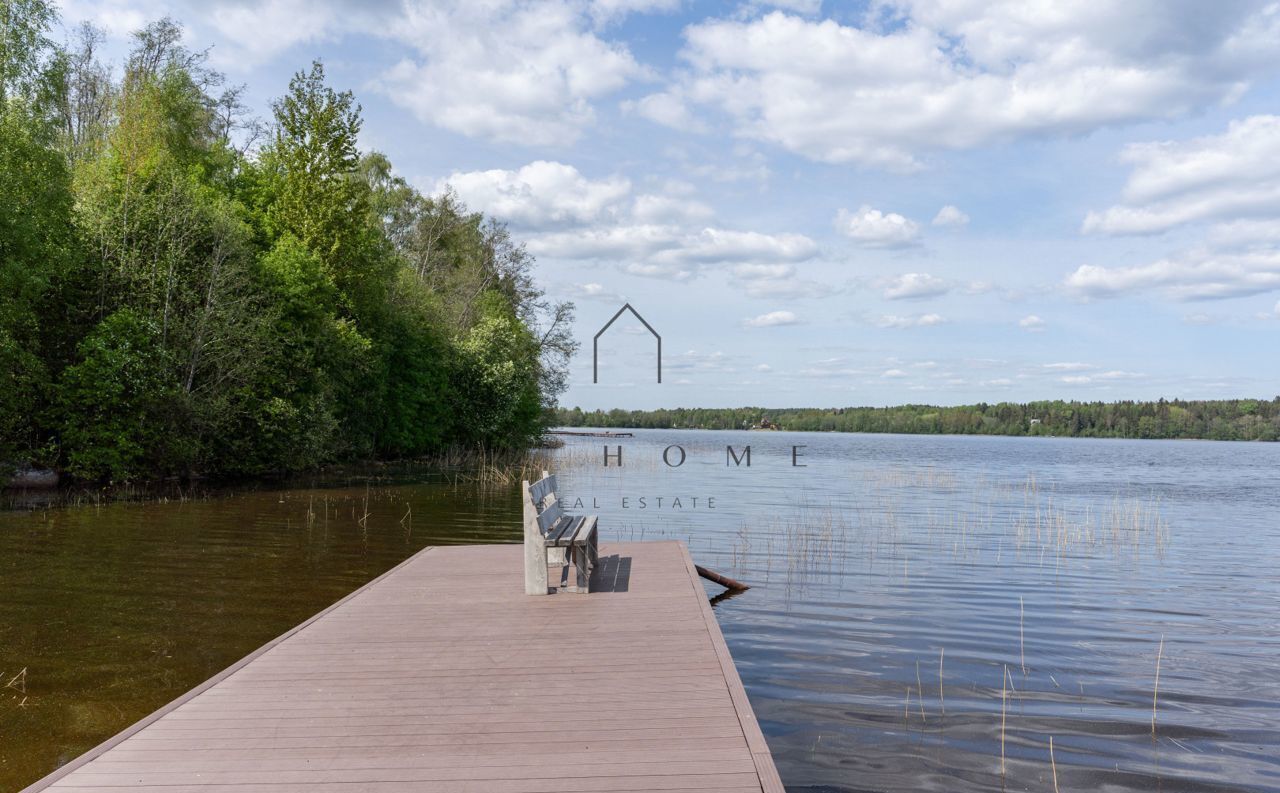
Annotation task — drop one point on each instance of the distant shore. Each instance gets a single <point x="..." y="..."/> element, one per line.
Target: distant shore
<point x="1223" y="420"/>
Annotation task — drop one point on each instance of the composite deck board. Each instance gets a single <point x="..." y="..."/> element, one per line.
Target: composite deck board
<point x="600" y="723"/>
<point x="480" y="742"/>
<point x="442" y="675"/>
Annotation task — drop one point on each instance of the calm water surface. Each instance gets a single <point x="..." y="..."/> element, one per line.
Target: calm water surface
<point x="910" y="594"/>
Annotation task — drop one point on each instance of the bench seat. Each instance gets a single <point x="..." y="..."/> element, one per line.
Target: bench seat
<point x="567" y="529"/>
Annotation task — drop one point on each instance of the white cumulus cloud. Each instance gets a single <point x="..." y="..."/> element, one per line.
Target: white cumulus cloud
<point x="1031" y="323"/>
<point x="772" y="320"/>
<point x="1226" y="187"/>
<point x="506" y="71"/>
<point x="711" y="245"/>
<point x="258" y="32"/>
<point x="1197" y="275"/>
<point x="950" y="216"/>
<point x="1235" y="174"/>
<point x="875" y="229"/>
<point x="915" y="286"/>
<point x="661" y="235"/>
<point x="904" y="322"/>
<point x="540" y="194"/>
<point x="674" y="252"/>
<point x="915" y="76"/>
<point x="594" y="291"/>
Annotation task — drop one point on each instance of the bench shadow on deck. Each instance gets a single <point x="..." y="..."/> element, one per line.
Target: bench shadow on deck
<point x="442" y="675"/>
<point x="612" y="575"/>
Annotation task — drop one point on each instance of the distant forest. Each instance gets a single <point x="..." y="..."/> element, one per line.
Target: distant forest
<point x="188" y="289"/>
<point x="1222" y="419"/>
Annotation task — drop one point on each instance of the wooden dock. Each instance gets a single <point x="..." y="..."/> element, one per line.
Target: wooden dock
<point x="442" y="675"/>
<point x="604" y="434"/>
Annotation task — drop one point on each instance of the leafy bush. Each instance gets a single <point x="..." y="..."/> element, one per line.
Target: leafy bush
<point x="113" y="399"/>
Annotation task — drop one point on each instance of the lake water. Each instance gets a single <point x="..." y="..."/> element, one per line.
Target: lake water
<point x="911" y="595"/>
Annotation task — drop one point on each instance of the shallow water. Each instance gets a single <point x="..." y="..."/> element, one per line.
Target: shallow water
<point x="909" y="593"/>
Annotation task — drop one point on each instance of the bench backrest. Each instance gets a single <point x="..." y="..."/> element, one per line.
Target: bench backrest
<point x="550" y="516"/>
<point x="539" y="490"/>
<point x="546" y="504"/>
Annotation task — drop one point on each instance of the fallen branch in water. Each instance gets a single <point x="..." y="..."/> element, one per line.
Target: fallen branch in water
<point x="724" y="581"/>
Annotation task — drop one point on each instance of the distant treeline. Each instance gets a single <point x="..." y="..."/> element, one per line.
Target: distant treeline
<point x="1223" y="419"/>
<point x="187" y="289"/>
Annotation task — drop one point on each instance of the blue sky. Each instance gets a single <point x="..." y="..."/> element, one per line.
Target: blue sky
<point x="828" y="204"/>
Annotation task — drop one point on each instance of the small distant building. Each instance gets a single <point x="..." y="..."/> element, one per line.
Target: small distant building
<point x="1035" y="422"/>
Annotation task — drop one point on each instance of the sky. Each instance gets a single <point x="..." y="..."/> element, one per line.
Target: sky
<point x="834" y="204"/>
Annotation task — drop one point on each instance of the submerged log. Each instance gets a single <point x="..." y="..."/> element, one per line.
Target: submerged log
<point x="722" y="580"/>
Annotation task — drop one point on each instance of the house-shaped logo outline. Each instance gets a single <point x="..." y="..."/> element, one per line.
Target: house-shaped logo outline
<point x="595" y="342"/>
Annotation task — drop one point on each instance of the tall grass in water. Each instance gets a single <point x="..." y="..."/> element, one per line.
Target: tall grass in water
<point x="502" y="468"/>
<point x="1022" y="641"/>
<point x="942" y="699"/>
<point x="920" y="688"/>
<point x="805" y="544"/>
<point x="1004" y="701"/>
<point x="18" y="684"/>
<point x="898" y="523"/>
<point x="1155" y="691"/>
<point x="1054" y="765"/>
<point x="905" y="530"/>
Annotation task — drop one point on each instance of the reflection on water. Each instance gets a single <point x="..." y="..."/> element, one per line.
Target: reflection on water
<point x="909" y="594"/>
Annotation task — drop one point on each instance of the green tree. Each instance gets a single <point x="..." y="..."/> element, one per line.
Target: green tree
<point x="499" y="402"/>
<point x="25" y="49"/>
<point x="317" y="195"/>
<point x="173" y="302"/>
<point x="37" y="246"/>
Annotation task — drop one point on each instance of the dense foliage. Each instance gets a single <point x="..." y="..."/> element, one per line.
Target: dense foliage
<point x="1227" y="419"/>
<point x="186" y="289"/>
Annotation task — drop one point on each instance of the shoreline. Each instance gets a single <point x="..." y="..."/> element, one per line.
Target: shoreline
<point x="1040" y="436"/>
<point x="1207" y="419"/>
<point x="485" y="467"/>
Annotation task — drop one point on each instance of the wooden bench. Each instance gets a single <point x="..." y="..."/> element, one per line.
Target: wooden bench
<point x="553" y="538"/>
